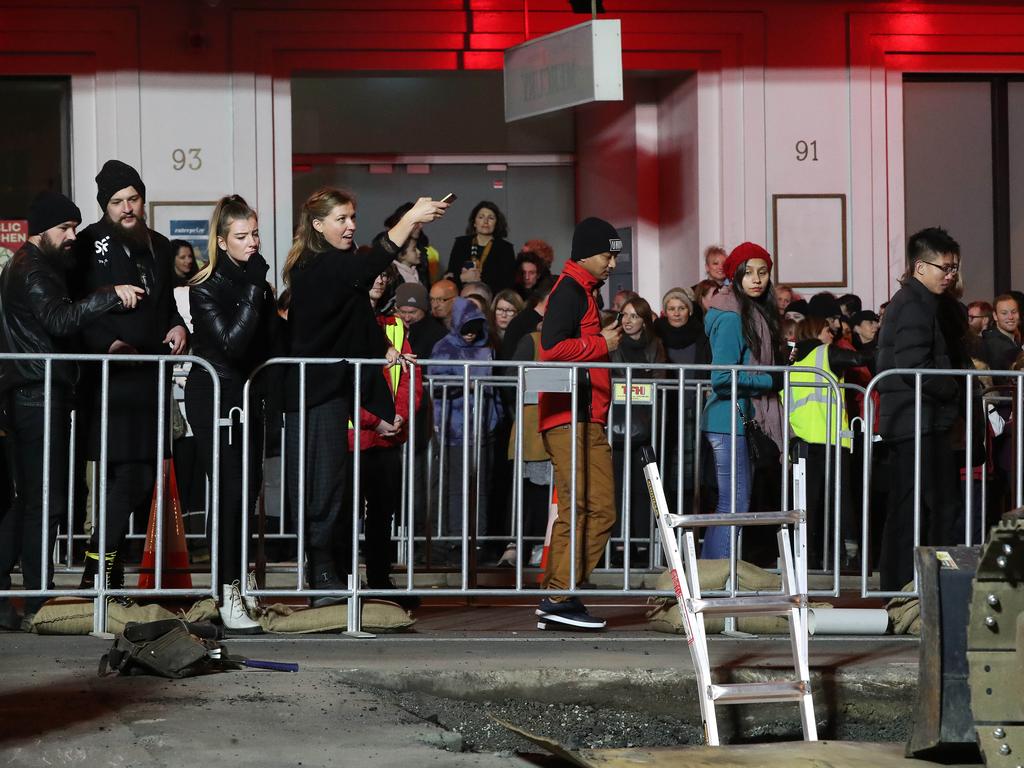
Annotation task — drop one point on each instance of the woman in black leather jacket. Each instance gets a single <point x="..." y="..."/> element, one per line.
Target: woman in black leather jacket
<point x="234" y="318"/>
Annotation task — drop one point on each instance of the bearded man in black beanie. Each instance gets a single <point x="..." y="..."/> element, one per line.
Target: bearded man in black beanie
<point x="121" y="248"/>
<point x="39" y="318"/>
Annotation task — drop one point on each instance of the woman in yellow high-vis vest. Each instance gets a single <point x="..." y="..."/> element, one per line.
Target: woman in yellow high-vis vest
<point x="815" y="417"/>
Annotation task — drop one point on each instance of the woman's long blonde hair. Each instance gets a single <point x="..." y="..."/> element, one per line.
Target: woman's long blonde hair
<point x="317" y="206"/>
<point x="229" y="209"/>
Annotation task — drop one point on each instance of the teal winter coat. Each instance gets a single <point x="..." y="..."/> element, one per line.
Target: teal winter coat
<point x="725" y="333"/>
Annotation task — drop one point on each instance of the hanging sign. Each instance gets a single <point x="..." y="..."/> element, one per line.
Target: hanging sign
<point x="573" y="66"/>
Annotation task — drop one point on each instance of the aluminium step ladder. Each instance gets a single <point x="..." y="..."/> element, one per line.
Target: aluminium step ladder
<point x="792" y="602"/>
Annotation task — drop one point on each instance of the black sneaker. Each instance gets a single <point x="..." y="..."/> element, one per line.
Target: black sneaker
<point x="567" y="613"/>
<point x="326" y="578"/>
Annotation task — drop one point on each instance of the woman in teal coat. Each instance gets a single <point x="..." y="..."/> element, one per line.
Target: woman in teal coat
<point x="742" y="325"/>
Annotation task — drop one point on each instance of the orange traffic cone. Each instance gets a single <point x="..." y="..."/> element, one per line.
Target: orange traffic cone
<point x="176" y="574"/>
<point x="552" y="516"/>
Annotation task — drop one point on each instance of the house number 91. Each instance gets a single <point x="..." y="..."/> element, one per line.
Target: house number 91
<point x="806" y="150"/>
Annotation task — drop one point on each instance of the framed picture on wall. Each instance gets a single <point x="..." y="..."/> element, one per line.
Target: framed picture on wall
<point x="189" y="221"/>
<point x="810" y="240"/>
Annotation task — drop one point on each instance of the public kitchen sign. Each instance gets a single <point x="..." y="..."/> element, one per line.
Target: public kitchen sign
<point x="564" y="69"/>
<point x="13" y="234"/>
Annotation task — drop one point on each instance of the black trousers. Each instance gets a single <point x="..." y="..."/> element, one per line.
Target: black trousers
<point x="199" y="408"/>
<point x="327" y="457"/>
<point x="817" y="493"/>
<point x="22" y="526"/>
<point x="941" y="506"/>
<point x="640" y="514"/>
<point x="129" y="487"/>
<point x="380" y="485"/>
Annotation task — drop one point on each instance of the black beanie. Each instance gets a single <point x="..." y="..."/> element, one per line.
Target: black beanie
<point x="824" y="305"/>
<point x="115" y="176"/>
<point x="50" y="209"/>
<point x="594" y="236"/>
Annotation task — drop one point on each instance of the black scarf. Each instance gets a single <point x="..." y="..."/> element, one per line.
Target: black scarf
<point x="678" y="338"/>
<point x="635" y="350"/>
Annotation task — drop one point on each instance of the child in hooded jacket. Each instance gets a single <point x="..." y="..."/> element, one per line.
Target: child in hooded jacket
<point x="467" y="340"/>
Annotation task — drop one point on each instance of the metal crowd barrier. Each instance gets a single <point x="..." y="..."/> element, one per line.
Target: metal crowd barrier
<point x="102" y="591"/>
<point x="527" y="379"/>
<point x="969" y="395"/>
<point x="560" y="377"/>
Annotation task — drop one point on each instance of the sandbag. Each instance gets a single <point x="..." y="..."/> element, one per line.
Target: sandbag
<point x="905" y="614"/>
<point x="202" y="610"/>
<point x="379" y="616"/>
<point x="713" y="575"/>
<point x="73" y="616"/>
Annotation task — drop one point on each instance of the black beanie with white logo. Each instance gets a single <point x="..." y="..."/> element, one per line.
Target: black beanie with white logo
<point x="593" y="236"/>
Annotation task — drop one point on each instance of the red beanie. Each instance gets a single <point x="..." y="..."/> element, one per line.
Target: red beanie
<point x="744" y="252"/>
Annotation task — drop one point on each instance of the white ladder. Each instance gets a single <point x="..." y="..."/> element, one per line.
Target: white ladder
<point x="792" y="602"/>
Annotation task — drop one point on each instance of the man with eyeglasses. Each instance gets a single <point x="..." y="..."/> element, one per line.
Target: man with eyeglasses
<point x="442" y="294"/>
<point x="912" y="337"/>
<point x="979" y="316"/>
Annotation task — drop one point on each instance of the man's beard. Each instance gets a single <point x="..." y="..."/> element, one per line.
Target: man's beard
<point x="62" y="256"/>
<point x="137" y="235"/>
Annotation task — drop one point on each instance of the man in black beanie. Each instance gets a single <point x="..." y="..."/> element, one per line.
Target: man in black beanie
<point x="826" y="306"/>
<point x="39" y="318"/>
<point x="121" y="248"/>
<point x="572" y="333"/>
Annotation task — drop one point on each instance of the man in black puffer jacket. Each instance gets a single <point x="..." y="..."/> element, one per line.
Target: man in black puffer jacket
<point x="912" y="337"/>
<point x="39" y="318"/>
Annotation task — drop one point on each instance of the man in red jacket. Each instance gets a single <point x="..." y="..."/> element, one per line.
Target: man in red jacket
<point x="572" y="333"/>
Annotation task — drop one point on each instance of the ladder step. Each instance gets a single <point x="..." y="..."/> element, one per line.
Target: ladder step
<point x="739" y="518"/>
<point x="753" y="605"/>
<point x="752" y="693"/>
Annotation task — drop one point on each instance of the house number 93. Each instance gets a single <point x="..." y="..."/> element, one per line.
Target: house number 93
<point x="191" y="159"/>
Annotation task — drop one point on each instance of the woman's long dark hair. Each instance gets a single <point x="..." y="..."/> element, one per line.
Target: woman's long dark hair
<point x="765" y="306"/>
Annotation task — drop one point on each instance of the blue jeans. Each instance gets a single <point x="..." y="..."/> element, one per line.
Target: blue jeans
<point x="716" y="539"/>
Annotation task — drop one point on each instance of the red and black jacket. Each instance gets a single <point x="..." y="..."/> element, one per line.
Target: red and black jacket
<point x="572" y="333"/>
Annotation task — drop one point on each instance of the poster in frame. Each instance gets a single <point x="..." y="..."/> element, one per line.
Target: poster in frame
<point x="183" y="220"/>
<point x="810" y="240"/>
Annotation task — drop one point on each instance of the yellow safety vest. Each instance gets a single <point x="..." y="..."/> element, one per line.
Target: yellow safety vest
<point x="396" y="335"/>
<point x="809" y="405"/>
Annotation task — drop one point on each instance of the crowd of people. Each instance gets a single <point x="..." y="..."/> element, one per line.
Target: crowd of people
<point x="120" y="288"/>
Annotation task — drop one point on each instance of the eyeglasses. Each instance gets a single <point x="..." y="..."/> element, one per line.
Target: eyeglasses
<point x="949" y="269"/>
<point x="505" y="311"/>
<point x="441" y="299"/>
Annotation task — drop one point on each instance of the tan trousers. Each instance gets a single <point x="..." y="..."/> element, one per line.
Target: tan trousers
<point x="595" y="501"/>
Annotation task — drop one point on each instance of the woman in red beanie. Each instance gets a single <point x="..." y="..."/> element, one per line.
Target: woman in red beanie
<point x="742" y="325"/>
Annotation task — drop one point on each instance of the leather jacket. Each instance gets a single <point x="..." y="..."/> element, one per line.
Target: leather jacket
<point x="40" y="318"/>
<point x="233" y="316"/>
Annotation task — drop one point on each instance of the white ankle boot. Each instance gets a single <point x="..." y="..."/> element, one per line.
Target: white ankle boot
<point x="233" y="614"/>
<point x="252" y="603"/>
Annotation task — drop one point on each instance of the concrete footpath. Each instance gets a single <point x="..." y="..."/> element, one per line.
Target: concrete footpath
<point x="420" y="699"/>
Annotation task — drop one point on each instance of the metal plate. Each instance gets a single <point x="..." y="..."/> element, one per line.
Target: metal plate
<point x="995" y="647"/>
